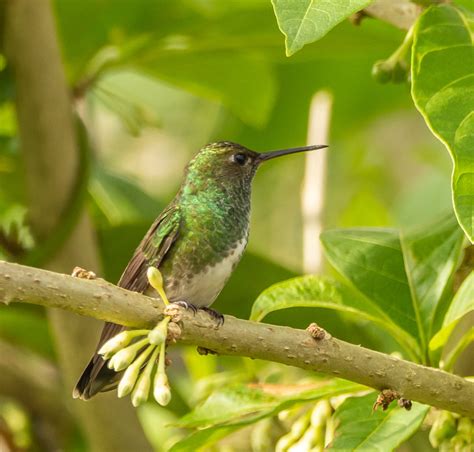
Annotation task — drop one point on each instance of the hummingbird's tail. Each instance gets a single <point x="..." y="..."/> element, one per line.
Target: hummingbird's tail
<point x="82" y="389"/>
<point x="94" y="380"/>
<point x="97" y="377"/>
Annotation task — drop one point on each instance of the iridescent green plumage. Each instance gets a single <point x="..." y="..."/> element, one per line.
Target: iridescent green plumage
<point x="196" y="242"/>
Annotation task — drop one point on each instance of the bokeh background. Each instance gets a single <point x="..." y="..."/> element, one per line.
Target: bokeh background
<point x="153" y="81"/>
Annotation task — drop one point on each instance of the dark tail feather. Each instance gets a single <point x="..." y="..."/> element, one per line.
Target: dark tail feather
<point x="96" y="377"/>
<point x="81" y="389"/>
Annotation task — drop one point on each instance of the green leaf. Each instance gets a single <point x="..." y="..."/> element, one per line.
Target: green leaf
<point x="431" y="256"/>
<point x="305" y="21"/>
<point x="463" y="302"/>
<point x="323" y="292"/>
<point x="117" y="200"/>
<point x="244" y="84"/>
<point x="443" y="91"/>
<point x="450" y="360"/>
<point x="243" y="405"/>
<point x="202" y="438"/>
<point x="243" y="285"/>
<point x="407" y="285"/>
<point x="156" y="421"/>
<point x="232" y="403"/>
<point x="360" y="429"/>
<point x="372" y="260"/>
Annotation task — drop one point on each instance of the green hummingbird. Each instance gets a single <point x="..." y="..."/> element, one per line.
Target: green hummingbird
<point x="196" y="242"/>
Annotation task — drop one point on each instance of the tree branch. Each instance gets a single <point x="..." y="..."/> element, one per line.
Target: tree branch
<point x="102" y="300"/>
<point x="401" y="13"/>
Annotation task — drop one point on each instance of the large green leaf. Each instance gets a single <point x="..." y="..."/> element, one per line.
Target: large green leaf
<point x="406" y="277"/>
<point x="323" y="292"/>
<point x="372" y="260"/>
<point x="463" y="302"/>
<point x="230" y="403"/>
<point x="443" y="91"/>
<point x="360" y="429"/>
<point x="235" y="407"/>
<point x="305" y="21"/>
<point x="210" y="51"/>
<point x="431" y="256"/>
<point x="244" y="84"/>
<point x="241" y="404"/>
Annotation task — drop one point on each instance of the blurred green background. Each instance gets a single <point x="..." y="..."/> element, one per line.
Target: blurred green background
<point x="153" y="82"/>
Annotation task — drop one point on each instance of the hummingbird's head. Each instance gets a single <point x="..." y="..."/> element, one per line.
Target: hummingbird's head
<point x="232" y="162"/>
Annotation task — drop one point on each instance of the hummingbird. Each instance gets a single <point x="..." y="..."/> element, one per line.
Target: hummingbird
<point x="196" y="242"/>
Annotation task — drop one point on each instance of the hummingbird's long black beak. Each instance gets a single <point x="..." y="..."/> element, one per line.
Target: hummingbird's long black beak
<point x="273" y="154"/>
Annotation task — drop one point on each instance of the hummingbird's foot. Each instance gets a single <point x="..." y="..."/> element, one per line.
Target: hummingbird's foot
<point x="217" y="316"/>
<point x="175" y="310"/>
<point x="186" y="305"/>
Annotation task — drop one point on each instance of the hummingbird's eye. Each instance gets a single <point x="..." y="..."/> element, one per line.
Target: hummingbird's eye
<point x="241" y="159"/>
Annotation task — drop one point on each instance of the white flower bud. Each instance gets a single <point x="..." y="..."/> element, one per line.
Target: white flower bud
<point x="123" y="358"/>
<point x="119" y="341"/>
<point x="161" y="390"/>
<point x="130" y="376"/>
<point x="141" y="391"/>
<point x="127" y="382"/>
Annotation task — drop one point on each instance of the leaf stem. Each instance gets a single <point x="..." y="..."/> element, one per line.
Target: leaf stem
<point x="448" y="363"/>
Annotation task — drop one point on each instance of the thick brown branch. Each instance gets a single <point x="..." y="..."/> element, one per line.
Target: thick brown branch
<point x="321" y="353"/>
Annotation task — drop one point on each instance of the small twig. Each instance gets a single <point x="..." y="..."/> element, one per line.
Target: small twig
<point x="387" y="396"/>
<point x="401" y="13"/>
<point x="316" y="332"/>
<point x="357" y="17"/>
<point x="79" y="272"/>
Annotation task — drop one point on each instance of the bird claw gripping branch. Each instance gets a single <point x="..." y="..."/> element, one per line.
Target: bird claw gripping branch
<point x="136" y="353"/>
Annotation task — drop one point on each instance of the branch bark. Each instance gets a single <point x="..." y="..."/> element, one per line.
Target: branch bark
<point x="102" y="300"/>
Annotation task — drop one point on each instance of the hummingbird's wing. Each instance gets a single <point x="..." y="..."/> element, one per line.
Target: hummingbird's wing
<point x="151" y="252"/>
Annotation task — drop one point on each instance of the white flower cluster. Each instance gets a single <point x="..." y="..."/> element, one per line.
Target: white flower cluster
<point x="138" y="352"/>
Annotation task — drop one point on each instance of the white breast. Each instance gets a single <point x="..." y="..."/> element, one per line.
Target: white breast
<point x="203" y="288"/>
